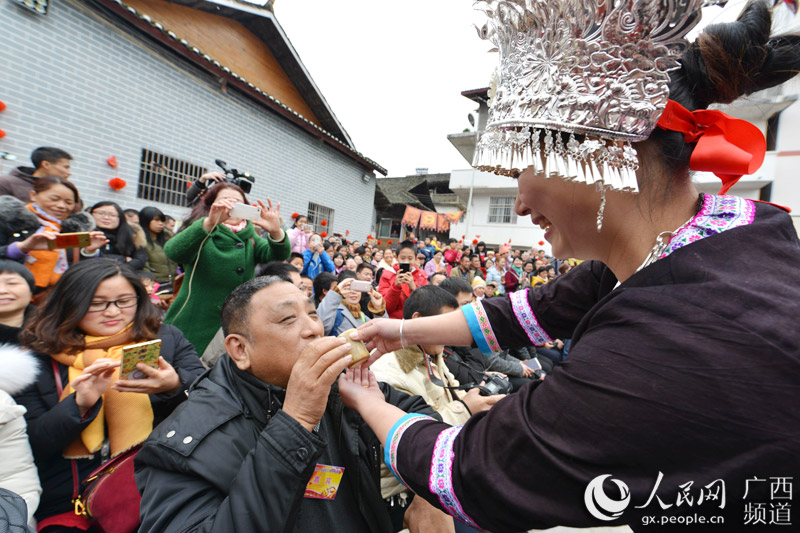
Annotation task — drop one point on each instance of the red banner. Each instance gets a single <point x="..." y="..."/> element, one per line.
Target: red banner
<point x="428" y="221"/>
<point x="411" y="217"/>
<point x="442" y="223"/>
<point x="454" y="217"/>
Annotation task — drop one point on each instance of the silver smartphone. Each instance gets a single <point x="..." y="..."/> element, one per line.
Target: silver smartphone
<point x="245" y="212"/>
<point x="360" y="286"/>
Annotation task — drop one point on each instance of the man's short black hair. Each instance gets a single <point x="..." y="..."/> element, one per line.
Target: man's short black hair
<point x="49" y="154"/>
<point x="235" y="312"/>
<point x="455" y="286"/>
<point x="407" y="245"/>
<point x="434" y="275"/>
<point x="295" y="255"/>
<point x="322" y="282"/>
<point x="451" y="240"/>
<point x="428" y="301"/>
<point x="543" y="269"/>
<point x="473" y="256"/>
<point x="361" y="250"/>
<point x="279" y="269"/>
<point x="345" y="274"/>
<point x="365" y="266"/>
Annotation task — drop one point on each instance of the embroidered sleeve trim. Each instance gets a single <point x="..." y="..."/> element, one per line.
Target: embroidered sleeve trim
<point x="393" y="441"/>
<point x="527" y="319"/>
<point x="480" y="328"/>
<point x="441" y="480"/>
<point x="718" y="214"/>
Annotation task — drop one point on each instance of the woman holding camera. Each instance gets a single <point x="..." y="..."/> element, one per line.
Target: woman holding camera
<point x="299" y="234"/>
<point x="340" y="309"/>
<point x="218" y="253"/>
<point x="77" y="404"/>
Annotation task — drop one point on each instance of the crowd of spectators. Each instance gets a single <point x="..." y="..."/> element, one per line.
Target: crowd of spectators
<point x="139" y="275"/>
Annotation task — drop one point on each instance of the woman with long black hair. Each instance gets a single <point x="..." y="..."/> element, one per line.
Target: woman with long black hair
<point x="78" y="411"/>
<point x="153" y="222"/>
<point x="126" y="244"/>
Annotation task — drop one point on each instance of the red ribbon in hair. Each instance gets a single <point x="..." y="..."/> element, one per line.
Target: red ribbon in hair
<point x="727" y="146"/>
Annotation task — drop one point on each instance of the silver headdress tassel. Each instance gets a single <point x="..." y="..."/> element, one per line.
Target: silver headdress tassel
<point x="595" y="71"/>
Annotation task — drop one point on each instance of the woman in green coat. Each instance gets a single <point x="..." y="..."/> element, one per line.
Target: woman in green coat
<point x="219" y="253"/>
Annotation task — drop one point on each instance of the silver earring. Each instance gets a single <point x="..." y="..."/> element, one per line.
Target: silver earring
<point x="601" y="211"/>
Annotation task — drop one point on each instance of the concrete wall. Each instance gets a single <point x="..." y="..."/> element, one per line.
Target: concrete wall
<point x="75" y="80"/>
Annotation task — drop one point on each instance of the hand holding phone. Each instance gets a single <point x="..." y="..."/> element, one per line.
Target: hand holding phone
<point x="144" y="352"/>
<point x="360" y="286"/>
<point x="70" y="240"/>
<point x="245" y="212"/>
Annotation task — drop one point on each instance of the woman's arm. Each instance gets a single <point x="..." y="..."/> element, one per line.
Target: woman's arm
<point x="183" y="247"/>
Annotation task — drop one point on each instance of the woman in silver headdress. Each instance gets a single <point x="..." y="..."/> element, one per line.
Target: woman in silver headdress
<point x="683" y="377"/>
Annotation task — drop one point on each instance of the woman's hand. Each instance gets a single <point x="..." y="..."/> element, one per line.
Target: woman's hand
<point x="92" y="383"/>
<point x="381" y="335"/>
<point x="219" y="212"/>
<point x="375" y="298"/>
<point x="97" y="240"/>
<point x="37" y="241"/>
<point x="270" y="220"/>
<point x="158" y="380"/>
<point x="358" y="387"/>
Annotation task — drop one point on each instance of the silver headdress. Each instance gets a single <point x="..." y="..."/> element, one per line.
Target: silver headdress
<point x="597" y="69"/>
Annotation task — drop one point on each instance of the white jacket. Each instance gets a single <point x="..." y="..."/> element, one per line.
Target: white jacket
<point x="17" y="470"/>
<point x="406" y="371"/>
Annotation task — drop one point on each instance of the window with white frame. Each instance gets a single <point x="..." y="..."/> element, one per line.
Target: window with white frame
<point x="165" y="179"/>
<point x="501" y="210"/>
<point x="316" y="214"/>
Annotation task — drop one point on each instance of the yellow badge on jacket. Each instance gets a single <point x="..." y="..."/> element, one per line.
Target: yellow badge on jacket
<point x="324" y="482"/>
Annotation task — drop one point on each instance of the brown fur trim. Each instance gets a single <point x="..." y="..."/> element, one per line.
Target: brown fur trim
<point x="409" y="358"/>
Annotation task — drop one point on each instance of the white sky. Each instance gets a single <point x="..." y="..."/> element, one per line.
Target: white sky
<point x="393" y="71"/>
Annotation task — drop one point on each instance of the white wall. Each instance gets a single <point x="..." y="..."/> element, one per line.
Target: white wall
<point x="523" y="234"/>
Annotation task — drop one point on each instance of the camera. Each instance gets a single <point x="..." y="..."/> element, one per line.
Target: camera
<point x="243" y="180"/>
<point x="494" y="384"/>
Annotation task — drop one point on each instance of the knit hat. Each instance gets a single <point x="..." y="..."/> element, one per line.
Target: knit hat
<point x="478" y="282"/>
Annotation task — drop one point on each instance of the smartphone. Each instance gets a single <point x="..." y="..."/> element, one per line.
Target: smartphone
<point x="70" y="240"/>
<point x="405" y="267"/>
<point x="316" y="240"/>
<point x="245" y="212"/>
<point x="357" y="348"/>
<point x="306" y="227"/>
<point x="360" y="286"/>
<point x="144" y="352"/>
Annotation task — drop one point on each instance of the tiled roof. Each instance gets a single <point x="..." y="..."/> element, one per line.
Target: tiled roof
<point x="199" y="56"/>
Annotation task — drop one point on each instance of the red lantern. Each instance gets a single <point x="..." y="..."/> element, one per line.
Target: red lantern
<point x="323" y="223"/>
<point x="112" y="161"/>
<point x="117" y="184"/>
<point x="370" y="237"/>
<point x="390" y="242"/>
<point x="295" y="215"/>
<point x="347" y="232"/>
<point x="379" y="242"/>
<point x="477" y="236"/>
<point x="460" y="241"/>
<point x="541" y="243"/>
<point x="463" y="236"/>
<point x="474" y="241"/>
<point x="2" y="134"/>
<point x="2" y="106"/>
<point x="323" y="234"/>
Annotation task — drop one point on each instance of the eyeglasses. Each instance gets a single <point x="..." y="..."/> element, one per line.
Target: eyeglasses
<point x="105" y="215"/>
<point x="122" y="303"/>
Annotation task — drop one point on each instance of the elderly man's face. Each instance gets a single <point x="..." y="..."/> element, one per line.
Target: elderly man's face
<point x="282" y="322"/>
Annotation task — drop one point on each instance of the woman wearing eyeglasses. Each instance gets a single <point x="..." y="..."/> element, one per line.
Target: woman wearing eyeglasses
<point x="126" y="243"/>
<point x="78" y="409"/>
